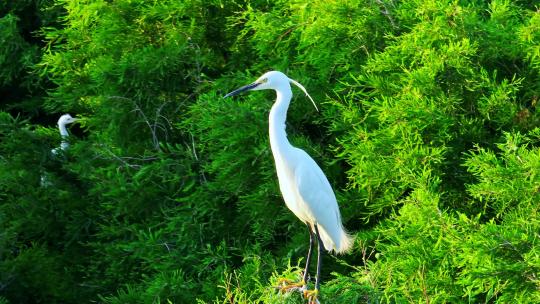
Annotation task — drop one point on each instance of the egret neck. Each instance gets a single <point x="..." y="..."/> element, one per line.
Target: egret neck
<point x="277" y="118"/>
<point x="63" y="130"/>
<point x="64" y="133"/>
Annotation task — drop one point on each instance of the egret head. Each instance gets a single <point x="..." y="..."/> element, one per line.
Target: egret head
<point x="66" y="119"/>
<point x="273" y="80"/>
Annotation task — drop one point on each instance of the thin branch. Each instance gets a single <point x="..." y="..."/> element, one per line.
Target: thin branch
<point x="120" y="159"/>
<point x="155" y="140"/>
<point x="197" y="157"/>
<point x="386" y="12"/>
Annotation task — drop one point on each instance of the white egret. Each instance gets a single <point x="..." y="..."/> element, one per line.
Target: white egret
<point x="305" y="188"/>
<point x="62" y="122"/>
<point x="64" y="145"/>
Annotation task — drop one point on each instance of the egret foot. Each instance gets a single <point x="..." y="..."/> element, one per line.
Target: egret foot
<point x="311" y="296"/>
<point x="286" y="285"/>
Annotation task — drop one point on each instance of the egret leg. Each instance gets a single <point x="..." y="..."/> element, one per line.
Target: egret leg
<point x="286" y="285"/>
<point x="308" y="259"/>
<point x="312" y="295"/>
<point x="319" y="259"/>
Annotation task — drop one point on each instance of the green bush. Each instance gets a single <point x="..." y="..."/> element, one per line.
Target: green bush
<point x="428" y="132"/>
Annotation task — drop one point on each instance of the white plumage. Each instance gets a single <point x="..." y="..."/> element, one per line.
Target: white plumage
<point x="62" y="122"/>
<point x="304" y="186"/>
<point x="64" y="145"/>
<point x="308" y="194"/>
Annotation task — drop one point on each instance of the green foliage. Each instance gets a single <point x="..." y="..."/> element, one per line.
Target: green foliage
<point x="20" y="49"/>
<point x="509" y="180"/>
<point x="502" y="255"/>
<point x="16" y="54"/>
<point x="168" y="194"/>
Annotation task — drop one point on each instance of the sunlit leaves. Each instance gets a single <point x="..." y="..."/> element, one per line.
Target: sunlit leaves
<point x="428" y="132"/>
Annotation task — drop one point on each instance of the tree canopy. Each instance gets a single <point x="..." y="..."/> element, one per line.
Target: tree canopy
<point x="429" y="133"/>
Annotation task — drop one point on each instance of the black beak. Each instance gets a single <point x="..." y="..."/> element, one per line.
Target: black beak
<point x="242" y="89"/>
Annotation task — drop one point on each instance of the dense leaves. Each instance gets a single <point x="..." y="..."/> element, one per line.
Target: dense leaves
<point x="429" y="132"/>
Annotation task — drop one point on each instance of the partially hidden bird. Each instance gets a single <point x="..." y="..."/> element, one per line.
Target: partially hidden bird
<point x="305" y="189"/>
<point x="63" y="121"/>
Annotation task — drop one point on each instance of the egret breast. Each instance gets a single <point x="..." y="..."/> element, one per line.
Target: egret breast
<point x="289" y="190"/>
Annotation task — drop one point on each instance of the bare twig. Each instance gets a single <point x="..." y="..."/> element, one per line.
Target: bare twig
<point x="155" y="141"/>
<point x="197" y="157"/>
<point x="125" y="159"/>
<point x="386" y="12"/>
<point x="155" y="125"/>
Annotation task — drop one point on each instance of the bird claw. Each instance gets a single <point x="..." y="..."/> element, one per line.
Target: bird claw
<point x="311" y="296"/>
<point x="286" y="285"/>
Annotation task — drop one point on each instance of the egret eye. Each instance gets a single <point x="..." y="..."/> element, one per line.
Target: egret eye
<point x="264" y="80"/>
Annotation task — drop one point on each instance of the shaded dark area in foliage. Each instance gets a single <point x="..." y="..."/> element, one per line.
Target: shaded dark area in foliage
<point x="428" y="131"/>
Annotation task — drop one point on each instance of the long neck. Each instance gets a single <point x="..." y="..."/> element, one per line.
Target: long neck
<point x="64" y="133"/>
<point x="63" y="130"/>
<point x="278" y="116"/>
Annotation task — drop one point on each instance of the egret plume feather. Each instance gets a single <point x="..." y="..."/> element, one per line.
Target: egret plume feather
<point x="296" y="83"/>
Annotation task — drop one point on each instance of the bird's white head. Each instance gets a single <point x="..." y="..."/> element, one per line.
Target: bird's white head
<point x="66" y="119"/>
<point x="273" y="80"/>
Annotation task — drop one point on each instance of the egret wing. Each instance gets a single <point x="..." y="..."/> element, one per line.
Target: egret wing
<point x="319" y="198"/>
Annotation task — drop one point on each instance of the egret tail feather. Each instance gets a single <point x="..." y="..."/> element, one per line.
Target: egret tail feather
<point x="346" y="242"/>
<point x="341" y="244"/>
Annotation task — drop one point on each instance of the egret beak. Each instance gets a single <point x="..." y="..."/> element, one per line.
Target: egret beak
<point x="248" y="87"/>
